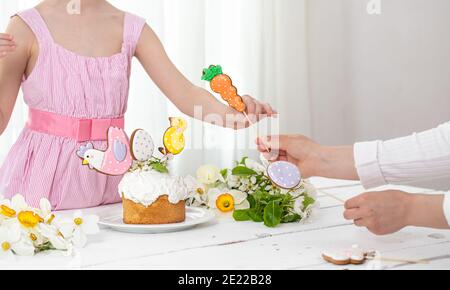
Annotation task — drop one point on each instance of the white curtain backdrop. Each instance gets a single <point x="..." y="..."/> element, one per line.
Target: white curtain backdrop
<point x="333" y="71"/>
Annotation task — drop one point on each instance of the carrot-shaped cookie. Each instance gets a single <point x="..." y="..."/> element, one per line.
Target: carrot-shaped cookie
<point x="222" y="84"/>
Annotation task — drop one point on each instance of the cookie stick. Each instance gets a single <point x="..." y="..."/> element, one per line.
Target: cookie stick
<point x="222" y="84"/>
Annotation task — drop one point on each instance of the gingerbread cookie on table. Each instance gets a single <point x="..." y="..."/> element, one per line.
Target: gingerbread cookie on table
<point x="343" y="257"/>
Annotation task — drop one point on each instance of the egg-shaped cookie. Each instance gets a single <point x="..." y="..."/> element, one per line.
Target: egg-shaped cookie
<point x="142" y="145"/>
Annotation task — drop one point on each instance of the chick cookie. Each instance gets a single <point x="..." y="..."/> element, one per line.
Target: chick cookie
<point x="174" y="141"/>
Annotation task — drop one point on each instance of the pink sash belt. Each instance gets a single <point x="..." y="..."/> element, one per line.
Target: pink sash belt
<point x="81" y="130"/>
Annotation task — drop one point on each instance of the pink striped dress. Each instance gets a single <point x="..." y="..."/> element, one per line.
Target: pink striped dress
<point x="65" y="83"/>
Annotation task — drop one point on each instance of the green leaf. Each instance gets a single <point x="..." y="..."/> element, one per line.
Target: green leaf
<point x="241" y="215"/>
<point x="291" y="218"/>
<point x="243" y="160"/>
<point x="243" y="171"/>
<point x="256" y="216"/>
<point x="159" y="167"/>
<point x="252" y="201"/>
<point x="272" y="214"/>
<point x="224" y="173"/>
<point x="308" y="201"/>
<point x="210" y="73"/>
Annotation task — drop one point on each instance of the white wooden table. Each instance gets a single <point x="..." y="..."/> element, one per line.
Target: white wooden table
<point x="226" y="244"/>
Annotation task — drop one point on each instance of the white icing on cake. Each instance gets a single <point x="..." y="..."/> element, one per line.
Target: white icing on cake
<point x="146" y="186"/>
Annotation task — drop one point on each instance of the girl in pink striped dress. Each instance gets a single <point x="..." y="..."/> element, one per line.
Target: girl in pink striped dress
<point x="74" y="72"/>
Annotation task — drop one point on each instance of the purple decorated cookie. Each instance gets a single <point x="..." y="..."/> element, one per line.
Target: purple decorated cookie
<point x="284" y="174"/>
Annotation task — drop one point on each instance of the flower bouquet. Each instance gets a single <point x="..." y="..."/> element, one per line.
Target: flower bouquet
<point x="25" y="231"/>
<point x="247" y="193"/>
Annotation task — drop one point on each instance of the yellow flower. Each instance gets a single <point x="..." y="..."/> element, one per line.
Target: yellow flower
<point x="225" y="202"/>
<point x="29" y="219"/>
<point x="7" y="211"/>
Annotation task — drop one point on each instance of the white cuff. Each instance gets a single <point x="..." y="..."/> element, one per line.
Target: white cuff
<point x="367" y="165"/>
<point x="447" y="207"/>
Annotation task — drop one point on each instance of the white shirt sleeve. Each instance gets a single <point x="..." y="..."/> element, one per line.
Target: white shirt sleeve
<point x="421" y="156"/>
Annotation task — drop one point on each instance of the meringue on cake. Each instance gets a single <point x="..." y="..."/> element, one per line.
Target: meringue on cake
<point x="151" y="195"/>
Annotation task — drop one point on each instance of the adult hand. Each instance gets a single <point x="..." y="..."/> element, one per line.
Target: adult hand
<point x="310" y="157"/>
<point x="381" y="213"/>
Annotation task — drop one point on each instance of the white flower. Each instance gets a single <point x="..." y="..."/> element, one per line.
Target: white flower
<point x="226" y="200"/>
<point x="11" y="241"/>
<point x="45" y="211"/>
<point x="297" y="192"/>
<point x="252" y="164"/>
<point x="298" y="205"/>
<point x="208" y="174"/>
<point x="79" y="227"/>
<point x="197" y="191"/>
<point x="54" y="236"/>
<point x="310" y="189"/>
<point x="233" y="181"/>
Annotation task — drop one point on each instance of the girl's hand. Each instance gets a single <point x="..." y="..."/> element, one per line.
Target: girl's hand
<point x="7" y="44"/>
<point x="256" y="110"/>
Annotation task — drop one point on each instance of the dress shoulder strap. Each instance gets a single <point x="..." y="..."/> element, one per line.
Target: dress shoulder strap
<point x="37" y="24"/>
<point x="133" y="26"/>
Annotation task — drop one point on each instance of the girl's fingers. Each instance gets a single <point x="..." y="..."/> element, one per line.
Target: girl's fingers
<point x="6" y="43"/>
<point x="6" y="36"/>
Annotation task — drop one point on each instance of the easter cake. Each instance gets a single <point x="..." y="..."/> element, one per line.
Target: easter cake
<point x="150" y="193"/>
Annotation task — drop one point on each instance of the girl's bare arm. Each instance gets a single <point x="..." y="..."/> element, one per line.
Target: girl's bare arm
<point x="12" y="68"/>
<point x="185" y="95"/>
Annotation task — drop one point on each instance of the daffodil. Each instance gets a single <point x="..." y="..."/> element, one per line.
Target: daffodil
<point x="197" y="191"/>
<point x="55" y="237"/>
<point x="45" y="211"/>
<point x="11" y="242"/>
<point x="79" y="227"/>
<point x="209" y="174"/>
<point x="225" y="200"/>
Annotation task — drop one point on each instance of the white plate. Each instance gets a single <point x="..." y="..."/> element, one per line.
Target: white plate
<point x="194" y="216"/>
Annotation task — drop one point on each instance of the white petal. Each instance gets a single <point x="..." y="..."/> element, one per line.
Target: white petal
<point x="238" y="196"/>
<point x="45" y="206"/>
<point x="79" y="238"/>
<point x="78" y="214"/>
<point x="18" y="203"/>
<point x="14" y="233"/>
<point x="23" y="248"/>
<point x="90" y="225"/>
<point x="67" y="228"/>
<point x="244" y="205"/>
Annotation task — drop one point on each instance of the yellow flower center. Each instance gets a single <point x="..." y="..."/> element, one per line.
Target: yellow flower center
<point x="200" y="191"/>
<point x="6" y="246"/>
<point x="50" y="220"/>
<point x="78" y="221"/>
<point x="7" y="212"/>
<point x="33" y="237"/>
<point x="225" y="202"/>
<point x="29" y="219"/>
